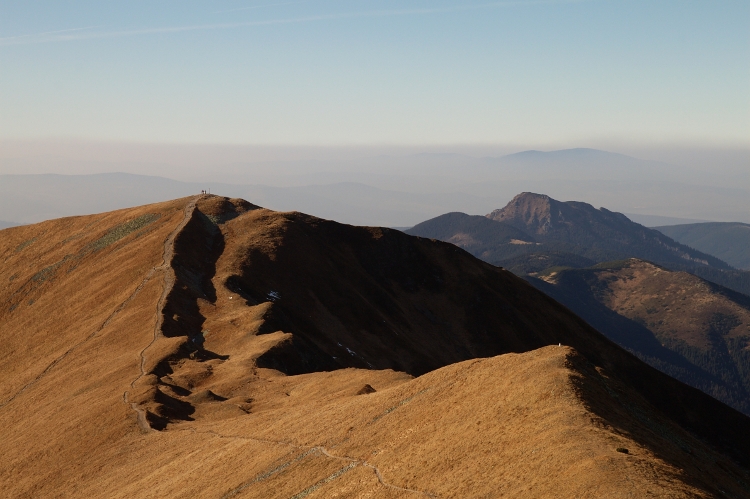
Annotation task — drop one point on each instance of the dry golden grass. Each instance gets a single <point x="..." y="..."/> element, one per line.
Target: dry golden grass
<point x="110" y="343"/>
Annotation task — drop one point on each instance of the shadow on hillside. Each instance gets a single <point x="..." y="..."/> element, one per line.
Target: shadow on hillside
<point x="196" y="250"/>
<point x="622" y="408"/>
<point x="640" y="341"/>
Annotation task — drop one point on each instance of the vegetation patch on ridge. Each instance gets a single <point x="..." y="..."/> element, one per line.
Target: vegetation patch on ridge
<point x="49" y="271"/>
<point x="24" y="244"/>
<point x="122" y="231"/>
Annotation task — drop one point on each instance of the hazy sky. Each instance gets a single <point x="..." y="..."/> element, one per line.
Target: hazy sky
<point x="326" y="72"/>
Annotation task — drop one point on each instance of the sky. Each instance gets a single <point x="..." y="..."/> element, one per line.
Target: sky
<point x="327" y="73"/>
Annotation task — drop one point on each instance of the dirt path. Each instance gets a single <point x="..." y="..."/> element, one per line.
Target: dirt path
<point x="169" y="280"/>
<point x="351" y="464"/>
<point x="382" y="481"/>
<point x="167" y="254"/>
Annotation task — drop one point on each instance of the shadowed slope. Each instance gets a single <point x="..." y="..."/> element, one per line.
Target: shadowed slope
<point x="689" y="328"/>
<point x="484" y="238"/>
<point x="439" y="306"/>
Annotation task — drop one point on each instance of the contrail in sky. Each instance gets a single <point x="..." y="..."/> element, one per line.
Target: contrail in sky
<point x="30" y="37"/>
<point x="81" y="34"/>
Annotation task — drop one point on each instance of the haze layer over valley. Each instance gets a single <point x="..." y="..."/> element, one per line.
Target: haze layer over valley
<point x="367" y="187"/>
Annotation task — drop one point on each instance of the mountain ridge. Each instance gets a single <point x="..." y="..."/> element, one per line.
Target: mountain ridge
<point x="202" y="356"/>
<point x="575" y="151"/>
<point x="576" y="234"/>
<point x="593" y="231"/>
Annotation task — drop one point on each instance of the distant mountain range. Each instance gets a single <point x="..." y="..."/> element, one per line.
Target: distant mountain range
<point x="691" y="329"/>
<point x="599" y="235"/>
<point x="34" y="198"/>
<point x="482" y="237"/>
<point x="551" y="233"/>
<point x="390" y="191"/>
<point x="572" y="234"/>
<point x="729" y="241"/>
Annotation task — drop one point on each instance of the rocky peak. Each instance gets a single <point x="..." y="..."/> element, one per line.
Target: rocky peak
<point x="536" y="213"/>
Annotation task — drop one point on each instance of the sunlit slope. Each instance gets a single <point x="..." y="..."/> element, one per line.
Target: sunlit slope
<point x="540" y="424"/>
<point x="67" y="280"/>
<point x="78" y="304"/>
<point x="209" y="348"/>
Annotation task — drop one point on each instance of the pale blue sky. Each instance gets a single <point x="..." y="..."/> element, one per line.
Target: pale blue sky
<point x="354" y="72"/>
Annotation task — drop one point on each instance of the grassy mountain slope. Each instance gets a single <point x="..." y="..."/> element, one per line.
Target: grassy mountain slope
<point x="689" y="328"/>
<point x="729" y="241"/>
<point x="209" y="348"/>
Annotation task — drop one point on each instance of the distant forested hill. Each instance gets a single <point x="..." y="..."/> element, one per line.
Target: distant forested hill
<point x="729" y="241"/>
<point x="689" y="328"/>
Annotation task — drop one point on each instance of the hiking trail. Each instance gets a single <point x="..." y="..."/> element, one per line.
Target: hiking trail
<point x="169" y="280"/>
<point x="318" y="449"/>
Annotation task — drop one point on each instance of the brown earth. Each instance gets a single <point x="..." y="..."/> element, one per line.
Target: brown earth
<point x="225" y="351"/>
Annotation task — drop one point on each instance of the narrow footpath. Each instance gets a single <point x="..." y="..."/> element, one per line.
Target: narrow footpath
<point x="169" y="280"/>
